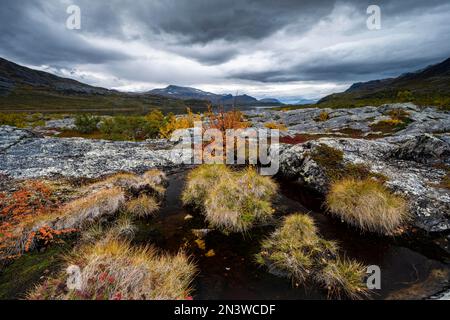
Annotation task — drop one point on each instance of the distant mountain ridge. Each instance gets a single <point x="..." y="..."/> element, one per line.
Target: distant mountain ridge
<point x="430" y="85"/>
<point x="12" y="75"/>
<point x="26" y="89"/>
<point x="187" y="93"/>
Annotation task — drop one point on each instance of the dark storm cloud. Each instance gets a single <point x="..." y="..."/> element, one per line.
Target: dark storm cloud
<point x="31" y="32"/>
<point x="264" y="41"/>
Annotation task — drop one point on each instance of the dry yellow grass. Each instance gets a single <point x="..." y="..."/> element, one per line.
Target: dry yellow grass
<point x="274" y="125"/>
<point x="343" y="279"/>
<point x="152" y="181"/>
<point x="88" y="210"/>
<point x="296" y="250"/>
<point x="367" y="204"/>
<point x="199" y="182"/>
<point x="231" y="201"/>
<point x="143" y="206"/>
<point x="323" y="116"/>
<point x="114" y="270"/>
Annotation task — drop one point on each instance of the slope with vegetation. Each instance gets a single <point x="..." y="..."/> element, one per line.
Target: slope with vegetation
<point x="26" y="90"/>
<point x="429" y="86"/>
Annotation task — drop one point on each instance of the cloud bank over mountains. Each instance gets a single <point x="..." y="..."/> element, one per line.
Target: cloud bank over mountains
<point x="285" y="49"/>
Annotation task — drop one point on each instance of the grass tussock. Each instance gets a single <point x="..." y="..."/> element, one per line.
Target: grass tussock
<point x="367" y="204"/>
<point x="152" y="182"/>
<point x="275" y="126"/>
<point x="231" y="201"/>
<point x="342" y="278"/>
<point x="143" y="206"/>
<point x="323" y="116"/>
<point x="114" y="270"/>
<point x="296" y="250"/>
<point x="83" y="212"/>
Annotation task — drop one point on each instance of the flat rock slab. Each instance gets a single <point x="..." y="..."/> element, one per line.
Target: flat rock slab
<point x="22" y="155"/>
<point x="424" y="120"/>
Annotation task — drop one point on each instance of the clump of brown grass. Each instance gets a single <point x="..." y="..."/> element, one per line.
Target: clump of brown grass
<point x="323" y="116"/>
<point x="152" y="181"/>
<point x="143" y="206"/>
<point x="296" y="250"/>
<point x="114" y="270"/>
<point x="83" y="212"/>
<point x="367" y="204"/>
<point x="342" y="278"/>
<point x="231" y="201"/>
<point x="199" y="183"/>
<point x="274" y="125"/>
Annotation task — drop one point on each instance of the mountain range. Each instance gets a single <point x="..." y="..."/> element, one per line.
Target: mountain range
<point x="25" y="89"/>
<point x="428" y="86"/>
<point x="187" y="93"/>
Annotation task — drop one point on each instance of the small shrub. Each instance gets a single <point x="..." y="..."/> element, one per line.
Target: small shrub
<point x="275" y="126"/>
<point x="343" y="278"/>
<point x="223" y="121"/>
<point x="231" y="201"/>
<point x="323" y="116"/>
<point x="366" y="204"/>
<point x="398" y="114"/>
<point x="172" y="123"/>
<point x="13" y="119"/>
<point x="114" y="270"/>
<point x="85" y="123"/>
<point x="133" y="127"/>
<point x="18" y="212"/>
<point x="329" y="159"/>
<point x="405" y="96"/>
<point x="389" y="125"/>
<point x="143" y="206"/>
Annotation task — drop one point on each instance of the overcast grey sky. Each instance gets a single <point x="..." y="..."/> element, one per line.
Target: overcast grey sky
<point x="288" y="49"/>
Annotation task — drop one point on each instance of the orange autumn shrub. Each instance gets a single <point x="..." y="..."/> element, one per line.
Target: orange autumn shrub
<point x="223" y="121"/>
<point x="18" y="211"/>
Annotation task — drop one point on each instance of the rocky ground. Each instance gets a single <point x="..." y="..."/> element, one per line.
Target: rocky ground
<point x="415" y="157"/>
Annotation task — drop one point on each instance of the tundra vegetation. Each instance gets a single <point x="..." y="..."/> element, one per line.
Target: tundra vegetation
<point x="113" y="269"/>
<point x="367" y="205"/>
<point x="296" y="250"/>
<point x="357" y="195"/>
<point x="231" y="201"/>
<point x="101" y="215"/>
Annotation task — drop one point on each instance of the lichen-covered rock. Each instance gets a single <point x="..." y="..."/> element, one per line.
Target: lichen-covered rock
<point x="424" y="149"/>
<point x="418" y="182"/>
<point x="10" y="136"/>
<point x="421" y="120"/>
<point x="24" y="155"/>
